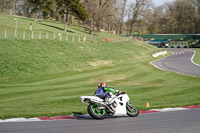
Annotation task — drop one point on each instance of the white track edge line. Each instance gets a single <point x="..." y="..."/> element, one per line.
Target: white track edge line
<point x="170" y="109"/>
<point x="20" y="120"/>
<point x="158" y="60"/>
<point x="193" y="58"/>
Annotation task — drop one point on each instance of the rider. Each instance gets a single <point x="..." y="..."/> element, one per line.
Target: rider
<point x="104" y="92"/>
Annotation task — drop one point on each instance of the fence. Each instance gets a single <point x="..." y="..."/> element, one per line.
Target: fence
<point x="30" y="35"/>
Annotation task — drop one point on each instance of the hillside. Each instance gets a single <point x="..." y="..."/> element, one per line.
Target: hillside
<point x="24" y="59"/>
<point x="8" y="24"/>
<point x="31" y="58"/>
<point x="45" y="77"/>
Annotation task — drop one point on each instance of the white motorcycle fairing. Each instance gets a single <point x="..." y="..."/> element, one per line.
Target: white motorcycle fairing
<point x="121" y="101"/>
<point x="88" y="99"/>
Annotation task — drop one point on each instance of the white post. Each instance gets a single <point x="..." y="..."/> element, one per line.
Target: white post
<point x="60" y="37"/>
<point x="15" y="28"/>
<point x="40" y="35"/>
<point x="79" y="38"/>
<point x="32" y="35"/>
<point x="5" y="34"/>
<point x="24" y="35"/>
<point x="73" y="38"/>
<point x="66" y="37"/>
<point x="84" y="38"/>
<point x="31" y="27"/>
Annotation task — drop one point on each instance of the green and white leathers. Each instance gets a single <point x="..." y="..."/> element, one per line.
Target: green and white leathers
<point x="104" y="91"/>
<point x="110" y="90"/>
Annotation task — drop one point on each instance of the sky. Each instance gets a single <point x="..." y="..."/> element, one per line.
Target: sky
<point x="160" y="2"/>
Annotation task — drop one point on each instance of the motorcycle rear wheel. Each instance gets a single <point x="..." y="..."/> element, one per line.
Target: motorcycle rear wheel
<point x="95" y="112"/>
<point x="132" y="110"/>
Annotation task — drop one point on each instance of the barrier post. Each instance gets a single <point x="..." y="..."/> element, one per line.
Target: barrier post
<point x="32" y="35"/>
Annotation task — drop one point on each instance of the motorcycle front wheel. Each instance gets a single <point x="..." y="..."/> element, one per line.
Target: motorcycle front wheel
<point x="132" y="110"/>
<point x="95" y="112"/>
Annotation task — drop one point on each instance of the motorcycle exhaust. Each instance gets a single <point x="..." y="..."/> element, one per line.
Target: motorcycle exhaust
<point x="88" y="101"/>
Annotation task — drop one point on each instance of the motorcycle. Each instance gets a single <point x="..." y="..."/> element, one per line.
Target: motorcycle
<point x="118" y="105"/>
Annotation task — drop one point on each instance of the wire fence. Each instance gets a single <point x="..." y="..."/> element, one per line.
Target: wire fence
<point x="37" y="35"/>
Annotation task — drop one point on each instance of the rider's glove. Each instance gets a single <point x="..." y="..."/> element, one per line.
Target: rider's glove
<point x="118" y="91"/>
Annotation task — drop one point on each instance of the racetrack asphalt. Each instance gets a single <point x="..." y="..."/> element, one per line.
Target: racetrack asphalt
<point x="180" y="61"/>
<point x="186" y="121"/>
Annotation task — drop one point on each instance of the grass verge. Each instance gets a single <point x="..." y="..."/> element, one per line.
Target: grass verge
<point x="197" y="57"/>
<point x="47" y="77"/>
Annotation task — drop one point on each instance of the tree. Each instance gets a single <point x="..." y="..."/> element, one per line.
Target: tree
<point x="91" y="7"/>
<point x="179" y="17"/>
<point x="139" y="9"/>
<point x="103" y="14"/>
<point x="72" y="7"/>
<point x="43" y="6"/>
<point x="122" y="16"/>
<point x="8" y="6"/>
<point x="2" y="6"/>
<point x="99" y="12"/>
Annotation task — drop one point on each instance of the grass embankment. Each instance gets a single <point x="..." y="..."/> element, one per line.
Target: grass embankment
<point x="47" y="77"/>
<point x="49" y="30"/>
<point x="23" y="24"/>
<point x="197" y="57"/>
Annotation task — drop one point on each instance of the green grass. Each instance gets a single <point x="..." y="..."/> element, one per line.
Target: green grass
<point x="8" y="24"/>
<point x="197" y="57"/>
<point x="47" y="77"/>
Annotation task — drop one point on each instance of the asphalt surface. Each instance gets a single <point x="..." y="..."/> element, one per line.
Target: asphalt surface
<point x="187" y="121"/>
<point x="180" y="61"/>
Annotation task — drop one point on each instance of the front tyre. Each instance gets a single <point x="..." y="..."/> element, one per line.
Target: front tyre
<point x="132" y="110"/>
<point x="95" y="112"/>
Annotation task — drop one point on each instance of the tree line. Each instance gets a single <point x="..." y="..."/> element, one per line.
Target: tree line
<point x="116" y="16"/>
<point x="178" y="17"/>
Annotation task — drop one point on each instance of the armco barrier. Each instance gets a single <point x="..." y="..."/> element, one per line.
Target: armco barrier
<point x="159" y="53"/>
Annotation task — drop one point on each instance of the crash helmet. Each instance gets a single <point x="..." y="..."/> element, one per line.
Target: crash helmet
<point x="102" y="84"/>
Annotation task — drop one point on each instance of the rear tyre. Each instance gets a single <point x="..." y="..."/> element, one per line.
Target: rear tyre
<point x="95" y="112"/>
<point x="132" y="110"/>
